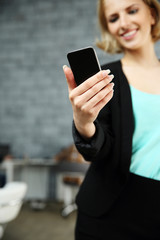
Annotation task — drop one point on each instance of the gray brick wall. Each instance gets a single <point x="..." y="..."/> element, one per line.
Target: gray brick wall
<point x="35" y="36"/>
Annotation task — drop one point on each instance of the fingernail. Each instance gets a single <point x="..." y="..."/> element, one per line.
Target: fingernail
<point x="111" y="76"/>
<point x="64" y="66"/>
<point x="106" y="72"/>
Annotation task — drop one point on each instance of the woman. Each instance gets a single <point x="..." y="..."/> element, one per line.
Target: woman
<point x="118" y="130"/>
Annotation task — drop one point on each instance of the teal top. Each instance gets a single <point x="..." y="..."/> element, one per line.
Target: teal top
<point x="145" y="159"/>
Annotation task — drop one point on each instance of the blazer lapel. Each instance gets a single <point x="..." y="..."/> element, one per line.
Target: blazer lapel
<point x="127" y="121"/>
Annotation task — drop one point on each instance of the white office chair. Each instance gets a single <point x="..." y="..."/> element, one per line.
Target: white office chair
<point x="11" y="199"/>
<point x="71" y="182"/>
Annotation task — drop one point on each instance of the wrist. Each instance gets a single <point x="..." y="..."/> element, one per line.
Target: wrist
<point x="87" y="131"/>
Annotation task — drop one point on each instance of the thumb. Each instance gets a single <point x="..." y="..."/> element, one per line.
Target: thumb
<point x="70" y="78"/>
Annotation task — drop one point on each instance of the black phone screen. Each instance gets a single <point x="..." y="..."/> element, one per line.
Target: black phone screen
<point x="84" y="64"/>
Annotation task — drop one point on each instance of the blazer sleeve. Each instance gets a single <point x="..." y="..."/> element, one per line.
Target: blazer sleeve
<point x="99" y="147"/>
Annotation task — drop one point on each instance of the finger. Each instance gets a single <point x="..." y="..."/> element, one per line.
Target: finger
<point x="90" y="82"/>
<point x="99" y="96"/>
<point x="69" y="77"/>
<point x="97" y="88"/>
<point x="103" y="102"/>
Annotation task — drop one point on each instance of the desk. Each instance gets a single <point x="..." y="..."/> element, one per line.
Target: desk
<point x="64" y="168"/>
<point x="10" y="165"/>
<point x="43" y="177"/>
<point x="35" y="172"/>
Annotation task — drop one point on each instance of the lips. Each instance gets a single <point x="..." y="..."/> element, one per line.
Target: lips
<point x="129" y="34"/>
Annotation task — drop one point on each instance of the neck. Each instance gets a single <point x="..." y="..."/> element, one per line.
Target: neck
<point x="144" y="57"/>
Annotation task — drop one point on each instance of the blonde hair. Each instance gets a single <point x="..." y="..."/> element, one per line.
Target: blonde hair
<point x="109" y="43"/>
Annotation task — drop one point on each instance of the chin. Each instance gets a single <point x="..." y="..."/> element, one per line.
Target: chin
<point x="131" y="46"/>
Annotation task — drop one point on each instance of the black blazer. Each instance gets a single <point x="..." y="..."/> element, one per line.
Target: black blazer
<point x="109" y="151"/>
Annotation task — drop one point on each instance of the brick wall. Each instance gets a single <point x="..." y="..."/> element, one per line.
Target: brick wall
<point x="35" y="36"/>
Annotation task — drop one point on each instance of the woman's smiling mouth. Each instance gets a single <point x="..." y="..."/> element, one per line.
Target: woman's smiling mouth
<point x="128" y="35"/>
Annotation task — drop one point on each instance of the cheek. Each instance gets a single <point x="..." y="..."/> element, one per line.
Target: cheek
<point x="112" y="29"/>
<point x="146" y="23"/>
<point x="149" y="21"/>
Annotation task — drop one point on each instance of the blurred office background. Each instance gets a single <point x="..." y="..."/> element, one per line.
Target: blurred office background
<point x="35" y="113"/>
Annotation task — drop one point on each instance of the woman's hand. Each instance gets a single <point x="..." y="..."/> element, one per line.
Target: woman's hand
<point x="88" y="99"/>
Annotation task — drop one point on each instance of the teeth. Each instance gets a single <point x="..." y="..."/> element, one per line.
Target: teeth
<point x="129" y="33"/>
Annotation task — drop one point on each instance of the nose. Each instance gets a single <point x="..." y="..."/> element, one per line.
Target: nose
<point x="124" y="21"/>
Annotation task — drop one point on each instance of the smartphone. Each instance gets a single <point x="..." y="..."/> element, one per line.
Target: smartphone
<point x="84" y="63"/>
